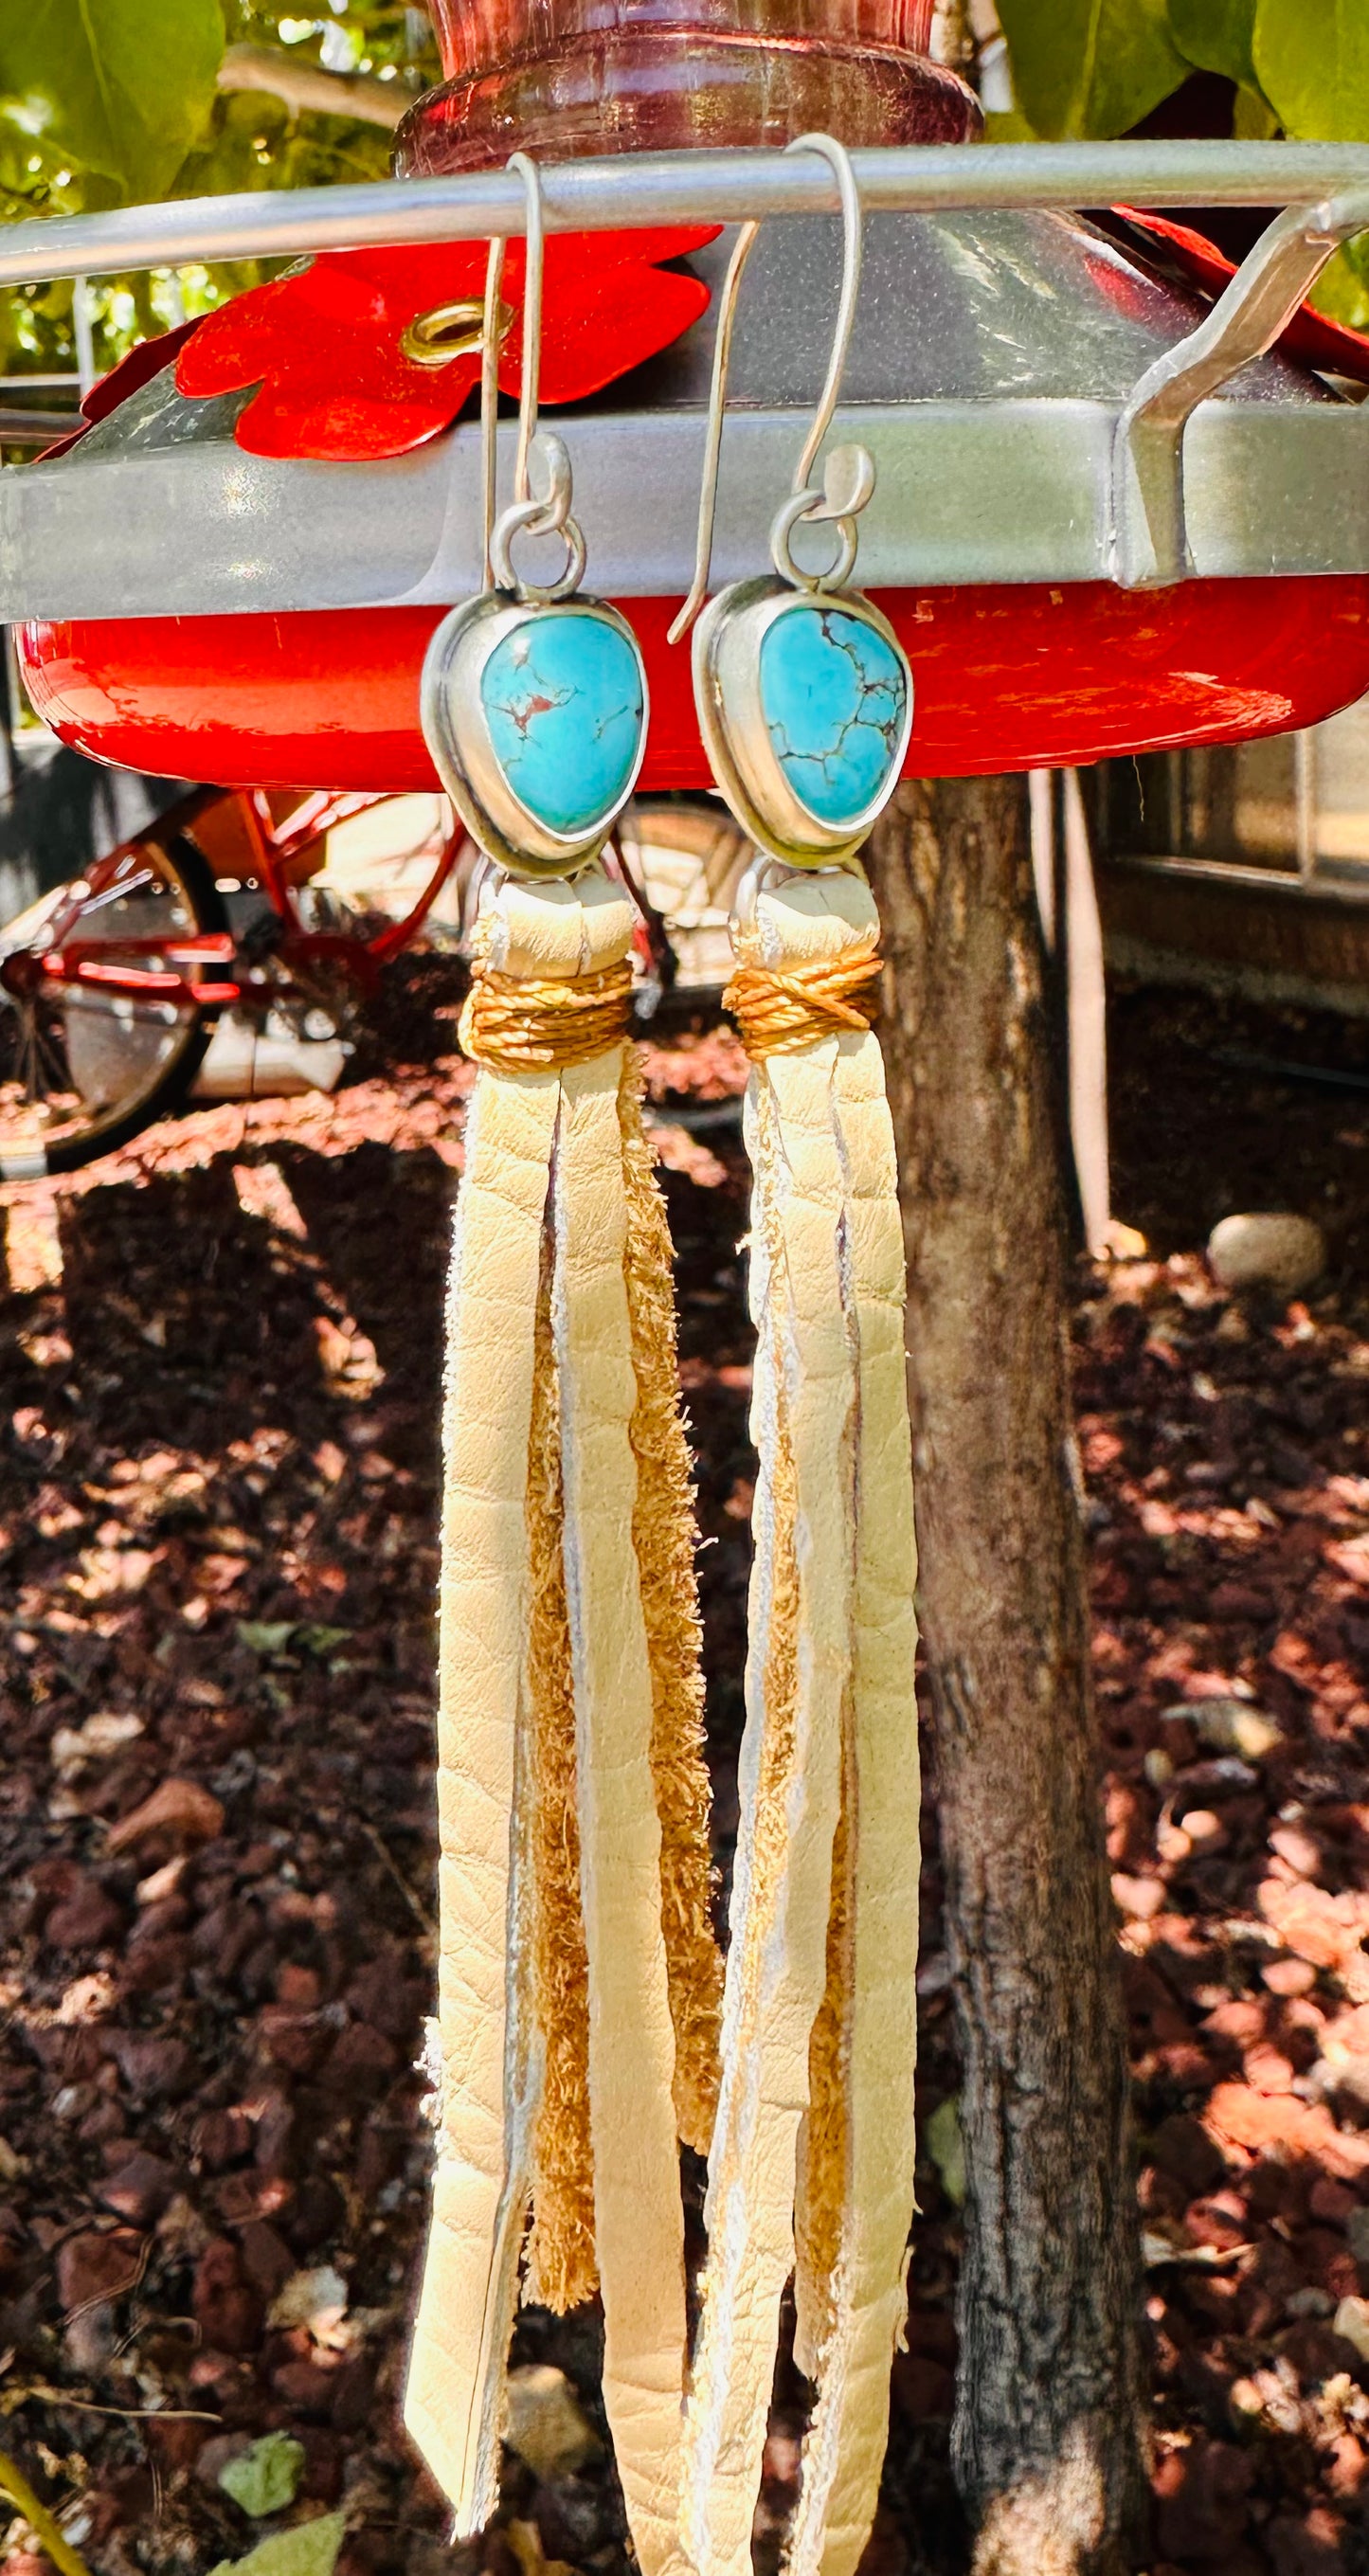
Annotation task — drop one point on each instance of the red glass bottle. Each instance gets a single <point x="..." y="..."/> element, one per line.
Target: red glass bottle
<point x="559" y="78"/>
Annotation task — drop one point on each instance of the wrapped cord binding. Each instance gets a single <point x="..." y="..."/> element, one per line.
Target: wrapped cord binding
<point x="578" y="1979"/>
<point x="812" y="2162"/>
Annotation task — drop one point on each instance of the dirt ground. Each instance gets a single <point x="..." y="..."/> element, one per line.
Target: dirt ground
<point x="221" y="1358"/>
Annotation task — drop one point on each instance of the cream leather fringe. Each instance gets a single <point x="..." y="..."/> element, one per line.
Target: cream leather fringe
<point x="812" y="2162"/>
<point x="578" y="1983"/>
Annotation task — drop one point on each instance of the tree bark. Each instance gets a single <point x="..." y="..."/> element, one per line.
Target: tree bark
<point x="1048" y="2439"/>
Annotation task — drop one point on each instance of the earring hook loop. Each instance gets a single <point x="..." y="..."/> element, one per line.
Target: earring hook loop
<point x="815" y="504"/>
<point x="527" y="514"/>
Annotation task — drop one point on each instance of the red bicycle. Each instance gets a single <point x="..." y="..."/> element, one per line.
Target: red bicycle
<point x="245" y="921"/>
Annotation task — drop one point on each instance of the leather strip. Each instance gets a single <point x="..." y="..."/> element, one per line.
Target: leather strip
<point x="454" y="2398"/>
<point x="819" y="2028"/>
<point x="803" y="1421"/>
<point x="638" y="2213"/>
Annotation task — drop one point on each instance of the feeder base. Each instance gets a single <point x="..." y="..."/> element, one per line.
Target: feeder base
<point x="1007" y="676"/>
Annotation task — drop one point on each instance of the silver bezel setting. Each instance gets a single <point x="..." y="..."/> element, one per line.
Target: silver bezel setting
<point x="458" y="734"/>
<point x="727" y="693"/>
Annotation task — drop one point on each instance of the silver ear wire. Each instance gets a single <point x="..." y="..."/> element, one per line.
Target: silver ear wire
<point x="850" y="477"/>
<point x="530" y="372"/>
<point x="526" y="514"/>
<point x="490" y="352"/>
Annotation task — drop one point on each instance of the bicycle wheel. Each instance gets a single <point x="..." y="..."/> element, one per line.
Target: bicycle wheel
<point x="82" y="1071"/>
<point x="687" y="858"/>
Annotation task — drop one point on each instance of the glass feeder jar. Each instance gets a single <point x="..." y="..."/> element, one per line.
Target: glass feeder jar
<point x="559" y="78"/>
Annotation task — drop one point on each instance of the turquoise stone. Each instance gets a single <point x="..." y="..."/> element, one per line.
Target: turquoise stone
<point x="563" y="702"/>
<point x="834" y="696"/>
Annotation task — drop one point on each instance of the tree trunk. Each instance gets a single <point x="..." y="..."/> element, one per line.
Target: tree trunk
<point x="1048" y="2438"/>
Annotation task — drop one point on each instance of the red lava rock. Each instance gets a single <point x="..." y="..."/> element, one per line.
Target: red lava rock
<point x="306" y="2385"/>
<point x="1182" y="2147"/>
<point x="390" y="2002"/>
<point x="174" y="2441"/>
<point x="1220" y="2220"/>
<point x="376" y="2161"/>
<point x="1203" y="2495"/>
<point x="1316" y="2352"/>
<point x="222" y="2138"/>
<point x="227" y="2310"/>
<point x="1251" y="2119"/>
<point x="1297" y="1848"/>
<point x="1331" y="2200"/>
<point x="243" y="2196"/>
<point x="154" y="2068"/>
<point x="1138" y="1898"/>
<point x="1349" y="2461"/>
<point x="87" y="1917"/>
<point x="91" y="2267"/>
<point x="324" y="2461"/>
<point x="183" y="1811"/>
<point x="275" y="2129"/>
<point x="296" y="2041"/>
<point x="353" y="2392"/>
<point x="1308" y="2545"/>
<point x="266" y="2258"/>
<point x="151" y="1966"/>
<point x="1289" y="1976"/>
<point x="1267" y="2068"/>
<point x="298" y="1988"/>
<point x="363" y="2061"/>
<point x="216" y="2453"/>
<point x="139" y="2188"/>
<point x="316" y="2212"/>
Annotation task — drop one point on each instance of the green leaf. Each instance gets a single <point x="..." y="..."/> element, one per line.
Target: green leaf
<point x="266" y="1636"/>
<point x="1090" y="67"/>
<point x="309" y="2550"/>
<point x="1342" y="290"/>
<point x="1217" y="36"/>
<point x="264" y="2479"/>
<point x="1312" y="59"/>
<point x="320" y="1641"/>
<point x="945" y="2145"/>
<point x="118" y="87"/>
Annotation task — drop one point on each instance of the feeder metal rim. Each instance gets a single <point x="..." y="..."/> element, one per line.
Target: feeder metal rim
<point x="1150" y="546"/>
<point x="1000" y="493"/>
<point x="653" y="188"/>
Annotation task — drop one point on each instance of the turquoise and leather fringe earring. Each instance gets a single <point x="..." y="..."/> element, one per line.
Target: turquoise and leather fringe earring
<point x="579" y="1982"/>
<point x="805" y="704"/>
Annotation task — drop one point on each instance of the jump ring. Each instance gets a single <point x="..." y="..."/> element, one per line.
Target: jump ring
<point x="787" y="517"/>
<point x="527" y="518"/>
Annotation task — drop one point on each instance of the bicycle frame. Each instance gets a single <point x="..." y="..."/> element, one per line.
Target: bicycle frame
<point x="113" y="966"/>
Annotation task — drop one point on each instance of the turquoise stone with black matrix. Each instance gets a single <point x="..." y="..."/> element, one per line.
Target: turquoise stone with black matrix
<point x="834" y="694"/>
<point x="562" y="696"/>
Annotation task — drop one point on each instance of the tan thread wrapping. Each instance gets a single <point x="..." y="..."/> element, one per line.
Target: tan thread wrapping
<point x="665" y="1538"/>
<point x="561" y="2266"/>
<point x="782" y="1009"/>
<point x="523" y="1024"/>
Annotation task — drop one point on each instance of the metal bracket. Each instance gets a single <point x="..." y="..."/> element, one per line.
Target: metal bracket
<point x="1149" y="537"/>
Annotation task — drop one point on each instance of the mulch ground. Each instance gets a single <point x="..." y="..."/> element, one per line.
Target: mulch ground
<point x="221" y="1360"/>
